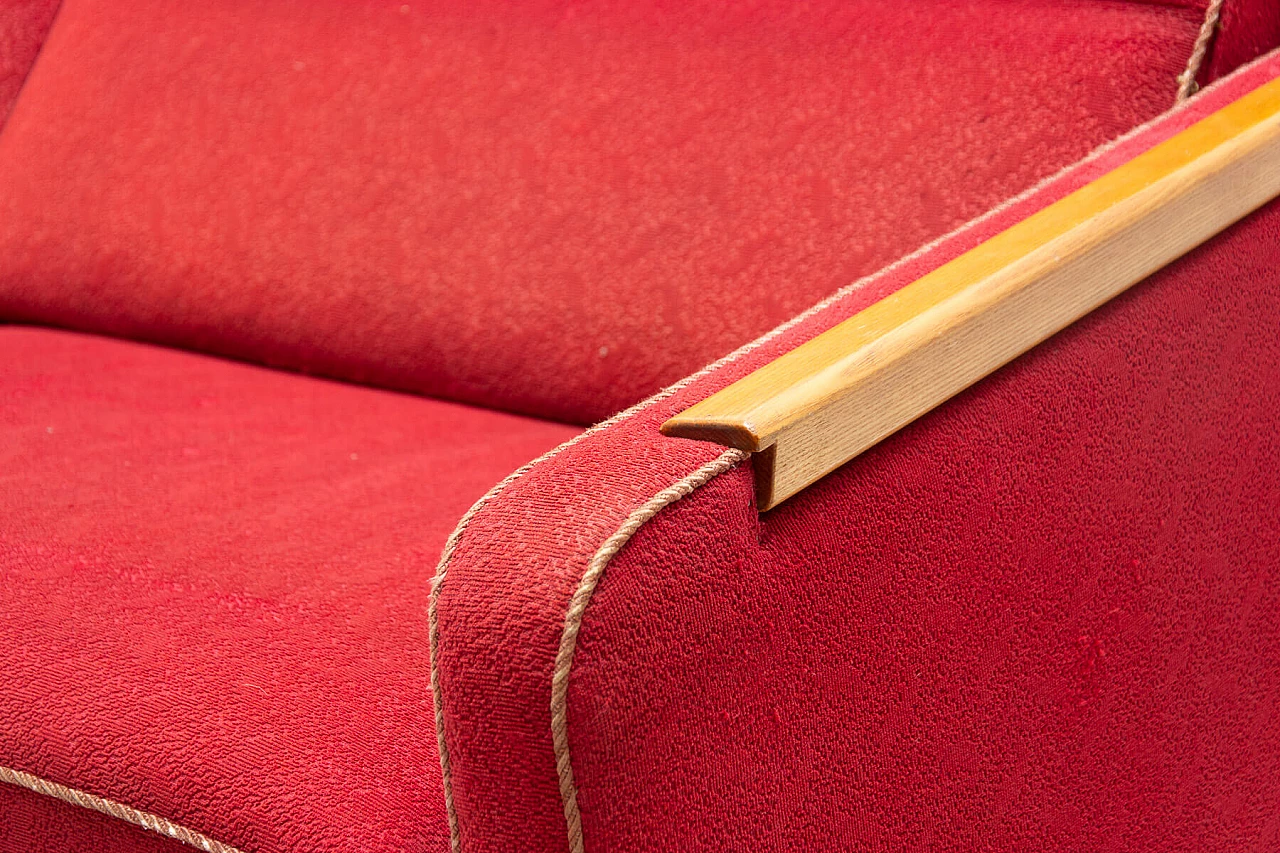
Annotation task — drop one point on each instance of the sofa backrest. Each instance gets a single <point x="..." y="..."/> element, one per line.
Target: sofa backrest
<point x="23" y="27"/>
<point x="552" y="207"/>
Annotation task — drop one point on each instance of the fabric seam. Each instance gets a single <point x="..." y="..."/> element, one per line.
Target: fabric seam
<point x="1187" y="85"/>
<point x="113" y="808"/>
<point x="578" y="607"/>
<point x="567" y="787"/>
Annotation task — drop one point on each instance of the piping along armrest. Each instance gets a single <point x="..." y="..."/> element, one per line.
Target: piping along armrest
<point x="818" y="406"/>
<point x="1038" y="616"/>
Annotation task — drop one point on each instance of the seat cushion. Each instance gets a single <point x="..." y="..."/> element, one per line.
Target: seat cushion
<point x="35" y="824"/>
<point x="553" y="207"/>
<point x="214" y="582"/>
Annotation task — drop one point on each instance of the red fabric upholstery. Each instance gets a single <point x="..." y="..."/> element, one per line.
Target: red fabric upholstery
<point x="1246" y="29"/>
<point x="1042" y="617"/>
<point x="215" y="583"/>
<point x="552" y="207"/>
<point x="985" y="631"/>
<point x="32" y="823"/>
<point x="23" y="27"/>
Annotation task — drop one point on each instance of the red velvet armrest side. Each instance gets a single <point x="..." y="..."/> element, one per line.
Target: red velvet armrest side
<point x="1041" y="617"/>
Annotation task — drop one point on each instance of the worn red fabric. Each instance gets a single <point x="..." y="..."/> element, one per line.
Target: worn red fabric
<point x="23" y="27"/>
<point x="553" y="207"/>
<point x="214" y="576"/>
<point x="1246" y="30"/>
<point x="213" y="589"/>
<point x="1042" y="617"/>
<point x="31" y="823"/>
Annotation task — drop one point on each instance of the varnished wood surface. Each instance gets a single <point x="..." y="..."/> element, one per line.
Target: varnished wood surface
<point x="831" y="398"/>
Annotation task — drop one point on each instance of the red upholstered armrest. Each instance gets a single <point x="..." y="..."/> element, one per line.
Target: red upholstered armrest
<point x="1029" y="620"/>
<point x="552" y="208"/>
<point x="1040" y="617"/>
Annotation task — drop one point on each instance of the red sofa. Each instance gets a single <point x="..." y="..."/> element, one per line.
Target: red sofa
<point x="288" y="287"/>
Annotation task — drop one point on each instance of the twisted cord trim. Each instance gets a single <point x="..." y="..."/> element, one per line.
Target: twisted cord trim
<point x="564" y="769"/>
<point x="573" y="624"/>
<point x="1187" y="85"/>
<point x="129" y="814"/>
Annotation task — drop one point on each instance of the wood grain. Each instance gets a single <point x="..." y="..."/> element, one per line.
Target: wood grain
<point x="831" y="398"/>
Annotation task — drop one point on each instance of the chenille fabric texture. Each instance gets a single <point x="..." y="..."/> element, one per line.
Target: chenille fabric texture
<point x="215" y="589"/>
<point x="1246" y="29"/>
<point x="1029" y="620"/>
<point x="549" y="207"/>
<point x="23" y="27"/>
<point x="1040" y="617"/>
<point x="33" y="824"/>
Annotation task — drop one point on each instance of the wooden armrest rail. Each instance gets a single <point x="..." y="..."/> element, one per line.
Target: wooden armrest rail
<point x="816" y="407"/>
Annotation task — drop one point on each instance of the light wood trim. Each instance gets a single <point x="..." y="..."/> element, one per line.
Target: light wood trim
<point x="815" y="408"/>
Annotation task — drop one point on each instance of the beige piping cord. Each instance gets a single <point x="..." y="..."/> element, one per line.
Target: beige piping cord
<point x="454" y="538"/>
<point x="137" y="817"/>
<point x="573" y="624"/>
<point x="582" y="597"/>
<point x="433" y="627"/>
<point x="595" y="569"/>
<point x="1187" y="85"/>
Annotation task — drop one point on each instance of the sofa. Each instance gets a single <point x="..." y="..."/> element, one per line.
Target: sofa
<point x="337" y="511"/>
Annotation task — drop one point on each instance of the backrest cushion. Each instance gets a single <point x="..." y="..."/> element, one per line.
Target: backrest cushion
<point x="552" y="207"/>
<point x="23" y="27"/>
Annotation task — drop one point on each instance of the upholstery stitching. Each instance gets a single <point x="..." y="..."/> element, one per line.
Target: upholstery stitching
<point x="568" y="790"/>
<point x="437" y="584"/>
<point x="573" y="624"/>
<point x="1187" y="85"/>
<point x="595" y="569"/>
<point x="137" y="817"/>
